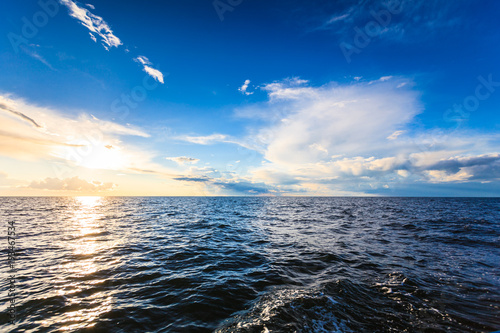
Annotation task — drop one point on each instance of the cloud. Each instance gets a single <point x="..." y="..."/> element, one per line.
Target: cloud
<point x="98" y="27"/>
<point x="193" y="179"/>
<point x="454" y="164"/>
<point x="336" y="18"/>
<point x="334" y="119"/>
<point x="395" y="135"/>
<point x="71" y="184"/>
<point x="32" y="132"/>
<point x="142" y="60"/>
<point x="20" y="115"/>
<point x="228" y="186"/>
<point x="183" y="160"/>
<point x="249" y="143"/>
<point x="243" y="187"/>
<point x="276" y="177"/>
<point x="415" y="18"/>
<point x="154" y="73"/>
<point x="95" y="24"/>
<point x="484" y="167"/>
<point x="348" y="138"/>
<point x="440" y="176"/>
<point x="332" y="21"/>
<point x="290" y="88"/>
<point x="204" y="140"/>
<point x="29" y="50"/>
<point x="385" y="78"/>
<point x="218" y="182"/>
<point x="244" y="87"/>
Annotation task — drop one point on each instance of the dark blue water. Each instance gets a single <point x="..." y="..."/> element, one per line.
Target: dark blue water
<point x="253" y="264"/>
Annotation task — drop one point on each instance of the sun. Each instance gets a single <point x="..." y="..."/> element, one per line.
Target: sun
<point x="95" y="155"/>
<point x="104" y="156"/>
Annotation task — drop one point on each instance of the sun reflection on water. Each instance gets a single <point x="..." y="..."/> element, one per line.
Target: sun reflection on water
<point x="89" y="202"/>
<point x="88" y="242"/>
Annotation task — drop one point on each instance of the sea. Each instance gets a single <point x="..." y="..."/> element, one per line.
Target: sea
<point x="250" y="264"/>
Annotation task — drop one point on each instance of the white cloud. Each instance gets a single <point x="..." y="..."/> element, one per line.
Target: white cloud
<point x="395" y="135"/>
<point x="154" y="73"/>
<point x="94" y="23"/>
<point x="343" y="137"/>
<point x="348" y="140"/>
<point x="339" y="119"/>
<point x="204" y="140"/>
<point x="291" y="88"/>
<point x="143" y="60"/>
<point x="441" y="176"/>
<point x="403" y="173"/>
<point x="385" y="78"/>
<point x="341" y="17"/>
<point x="97" y="26"/>
<point x="244" y="87"/>
<point x="251" y="143"/>
<point x="337" y="18"/>
<point x="183" y="160"/>
<point x="71" y="184"/>
<point x="32" y="132"/>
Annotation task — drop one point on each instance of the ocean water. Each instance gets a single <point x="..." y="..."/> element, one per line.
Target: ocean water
<point x="252" y="264"/>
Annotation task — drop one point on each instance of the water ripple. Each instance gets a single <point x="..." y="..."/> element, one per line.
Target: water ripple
<point x="255" y="264"/>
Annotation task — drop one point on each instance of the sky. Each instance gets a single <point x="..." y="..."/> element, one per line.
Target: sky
<point x="240" y="97"/>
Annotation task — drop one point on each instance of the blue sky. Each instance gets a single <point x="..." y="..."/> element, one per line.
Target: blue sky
<point x="239" y="97"/>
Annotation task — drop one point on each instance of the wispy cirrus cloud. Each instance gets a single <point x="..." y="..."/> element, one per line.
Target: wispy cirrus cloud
<point x="30" y="50"/>
<point x="96" y="24"/>
<point x="248" y="143"/>
<point x="204" y="140"/>
<point x="415" y="18"/>
<point x="98" y="27"/>
<point x="146" y="64"/>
